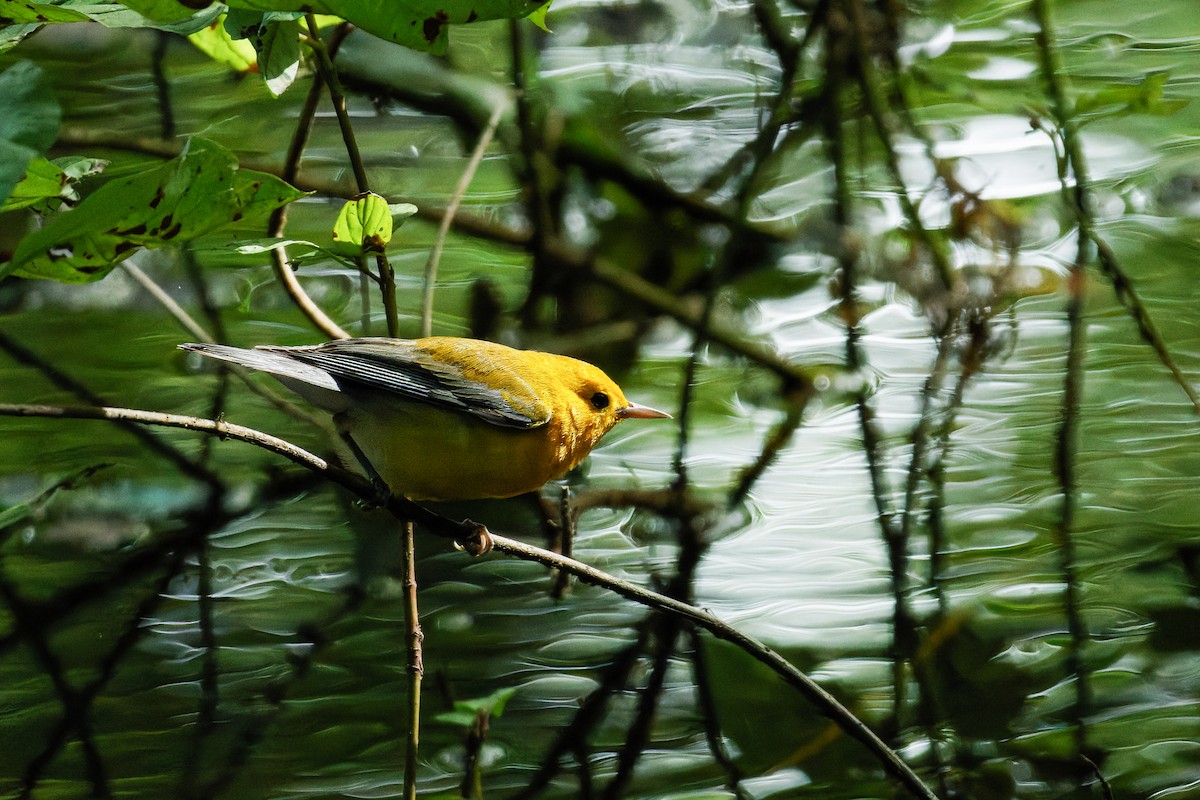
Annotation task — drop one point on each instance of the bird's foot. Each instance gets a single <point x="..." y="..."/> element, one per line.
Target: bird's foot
<point x="476" y="539"/>
<point x="380" y="497"/>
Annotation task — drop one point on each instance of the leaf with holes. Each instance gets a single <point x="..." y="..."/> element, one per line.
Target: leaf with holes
<point x="197" y="193"/>
<point x="48" y="183"/>
<point x="29" y="120"/>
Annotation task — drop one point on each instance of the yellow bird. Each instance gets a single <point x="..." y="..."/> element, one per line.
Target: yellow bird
<point x="444" y="418"/>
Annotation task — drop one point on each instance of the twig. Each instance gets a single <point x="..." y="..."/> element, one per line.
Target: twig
<point x="877" y="108"/>
<point x="153" y="443"/>
<point x="278" y="220"/>
<point x="779" y="438"/>
<point x="1076" y="197"/>
<point x="250" y="732"/>
<point x="567" y="518"/>
<point x="1123" y="287"/>
<point x="162" y="85"/>
<point x="903" y="629"/>
<point x="637" y="735"/>
<point x="185" y="320"/>
<point x="325" y="67"/>
<point x="539" y="178"/>
<point x="922" y="433"/>
<point x="387" y="288"/>
<point x="460" y="190"/>
<point x="210" y="687"/>
<point x="329" y="75"/>
<point x="823" y="701"/>
<point x="32" y="626"/>
<point x="783" y="111"/>
<point x="573" y="738"/>
<point x="1080" y="200"/>
<point x="223" y="430"/>
<point x="75" y="704"/>
<point x="707" y="704"/>
<point x="416" y="666"/>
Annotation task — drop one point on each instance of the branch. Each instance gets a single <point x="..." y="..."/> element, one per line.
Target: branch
<point x="463" y="533"/>
<point x="328" y="73"/>
<point x="1081" y="205"/>
<point x="435" y="254"/>
<point x="1076" y="195"/>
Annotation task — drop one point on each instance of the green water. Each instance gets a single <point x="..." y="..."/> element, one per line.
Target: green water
<point x="286" y="683"/>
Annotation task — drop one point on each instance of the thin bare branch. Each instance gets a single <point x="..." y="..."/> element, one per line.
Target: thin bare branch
<point x="460" y="190"/>
<point x="822" y="700"/>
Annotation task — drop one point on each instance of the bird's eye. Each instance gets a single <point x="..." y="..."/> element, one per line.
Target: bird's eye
<point x="599" y="401"/>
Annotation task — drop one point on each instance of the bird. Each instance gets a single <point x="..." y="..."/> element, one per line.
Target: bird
<point x="445" y="418"/>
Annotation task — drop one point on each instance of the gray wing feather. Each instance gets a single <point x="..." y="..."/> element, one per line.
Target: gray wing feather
<point x="391" y="366"/>
<point x="273" y="363"/>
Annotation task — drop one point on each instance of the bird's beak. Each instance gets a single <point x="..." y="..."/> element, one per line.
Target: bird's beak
<point x="634" y="411"/>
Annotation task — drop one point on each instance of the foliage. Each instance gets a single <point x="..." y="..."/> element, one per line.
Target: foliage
<point x="187" y="197"/>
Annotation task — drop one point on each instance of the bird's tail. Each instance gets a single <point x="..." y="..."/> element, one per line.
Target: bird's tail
<point x="312" y="383"/>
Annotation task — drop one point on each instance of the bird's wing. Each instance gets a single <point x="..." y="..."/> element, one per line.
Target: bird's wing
<point x="491" y="391"/>
<point x="273" y="363"/>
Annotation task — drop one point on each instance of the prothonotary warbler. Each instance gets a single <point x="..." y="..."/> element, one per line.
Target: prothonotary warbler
<point x="444" y="418"/>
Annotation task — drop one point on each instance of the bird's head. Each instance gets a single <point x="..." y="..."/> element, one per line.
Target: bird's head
<point x="596" y="403"/>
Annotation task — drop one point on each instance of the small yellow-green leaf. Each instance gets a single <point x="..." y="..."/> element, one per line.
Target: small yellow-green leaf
<point x="364" y="225"/>
<point x="538" y="17"/>
<point x="42" y="181"/>
<point x="1144" y="97"/>
<point x="47" y="183"/>
<point x="216" y="43"/>
<point x="29" y="120"/>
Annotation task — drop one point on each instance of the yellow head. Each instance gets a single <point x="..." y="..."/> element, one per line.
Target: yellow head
<point x="584" y="404"/>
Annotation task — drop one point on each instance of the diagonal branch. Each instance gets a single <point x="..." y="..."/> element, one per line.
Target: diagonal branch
<point x="822" y="700"/>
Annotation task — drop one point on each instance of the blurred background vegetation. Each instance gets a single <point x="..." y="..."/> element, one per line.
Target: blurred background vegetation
<point x="916" y="279"/>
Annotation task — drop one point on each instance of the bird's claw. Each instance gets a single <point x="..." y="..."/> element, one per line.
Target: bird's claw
<point x="476" y="540"/>
<point x="381" y="496"/>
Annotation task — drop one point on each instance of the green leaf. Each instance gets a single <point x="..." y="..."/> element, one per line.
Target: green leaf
<point x="401" y="212"/>
<point x="168" y="11"/>
<point x="364" y="225"/>
<point x="275" y="37"/>
<point x="25" y="12"/>
<point x="13" y="35"/>
<point x="266" y="245"/>
<point x="29" y="120"/>
<point x="42" y="181"/>
<point x="420" y="24"/>
<point x="301" y="252"/>
<point x="216" y="43"/>
<point x="166" y="15"/>
<point x="48" y="183"/>
<point x="1143" y="97"/>
<point x="197" y="193"/>
<point x="538" y="17"/>
<point x="466" y="711"/>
